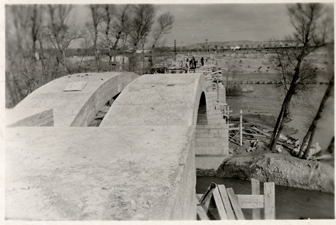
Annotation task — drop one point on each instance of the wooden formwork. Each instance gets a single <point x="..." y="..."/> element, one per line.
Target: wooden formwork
<point x="229" y="205"/>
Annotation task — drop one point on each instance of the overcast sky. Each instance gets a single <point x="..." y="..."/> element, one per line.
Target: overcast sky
<point x="220" y="22"/>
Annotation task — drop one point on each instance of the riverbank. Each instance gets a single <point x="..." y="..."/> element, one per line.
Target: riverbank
<point x="281" y="167"/>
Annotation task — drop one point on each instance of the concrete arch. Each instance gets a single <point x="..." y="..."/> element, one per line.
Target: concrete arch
<point x="158" y="100"/>
<point x="50" y="105"/>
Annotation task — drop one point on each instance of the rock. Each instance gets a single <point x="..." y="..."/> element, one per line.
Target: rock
<point x="314" y="149"/>
<point x="295" y="150"/>
<point x="283" y="137"/>
<point x="279" y="148"/>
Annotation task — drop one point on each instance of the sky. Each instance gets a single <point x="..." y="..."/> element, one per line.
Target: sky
<point x="194" y="23"/>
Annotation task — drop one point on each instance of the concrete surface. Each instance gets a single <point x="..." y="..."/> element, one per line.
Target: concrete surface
<point x="30" y="117"/>
<point x="75" y="108"/>
<point x="165" y="99"/>
<point x="207" y="162"/>
<point x="114" y="173"/>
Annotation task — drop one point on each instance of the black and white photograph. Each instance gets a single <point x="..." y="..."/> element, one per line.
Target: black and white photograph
<point x="168" y="111"/>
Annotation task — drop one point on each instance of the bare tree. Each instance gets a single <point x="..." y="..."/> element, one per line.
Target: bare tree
<point x="140" y="26"/>
<point x="23" y="28"/>
<point x="165" y="24"/>
<point x="309" y="35"/>
<point x="97" y="15"/>
<point x="85" y="44"/>
<point x="108" y="18"/>
<point x="61" y="30"/>
<point x="231" y="71"/>
<point x="116" y="29"/>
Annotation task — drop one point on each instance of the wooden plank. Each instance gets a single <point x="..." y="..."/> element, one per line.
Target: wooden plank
<point x="220" y="205"/>
<point x="261" y="132"/>
<point x="201" y="213"/>
<point x="251" y="201"/>
<point x="235" y="205"/>
<point x="205" y="204"/>
<point x="269" y="199"/>
<point x="256" y="191"/>
<point x="226" y="201"/>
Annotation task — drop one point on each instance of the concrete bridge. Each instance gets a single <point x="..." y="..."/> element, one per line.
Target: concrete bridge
<point x="139" y="164"/>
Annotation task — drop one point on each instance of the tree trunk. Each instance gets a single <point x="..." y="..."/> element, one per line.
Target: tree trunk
<point x="107" y="31"/>
<point x="143" y="59"/>
<point x="13" y="91"/>
<point x="284" y="112"/>
<point x="311" y="130"/>
<point x="307" y="150"/>
<point x="95" y="48"/>
<point x="331" y="146"/>
<point x="300" y="153"/>
<point x="64" y="60"/>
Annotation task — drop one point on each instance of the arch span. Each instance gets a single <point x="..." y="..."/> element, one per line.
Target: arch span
<point x="61" y="108"/>
<point x="158" y="100"/>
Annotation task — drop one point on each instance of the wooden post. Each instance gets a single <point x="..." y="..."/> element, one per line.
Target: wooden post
<point x="269" y="200"/>
<point x="255" y="191"/>
<point x="175" y="49"/>
<point x="217" y="81"/>
<point x="228" y="112"/>
<point x="241" y="128"/>
<point x="217" y="89"/>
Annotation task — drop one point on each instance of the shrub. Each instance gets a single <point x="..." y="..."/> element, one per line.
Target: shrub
<point x="234" y="90"/>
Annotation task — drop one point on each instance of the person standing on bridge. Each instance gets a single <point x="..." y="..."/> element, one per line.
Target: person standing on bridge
<point x="187" y="65"/>
<point x="192" y="64"/>
<point x="202" y="61"/>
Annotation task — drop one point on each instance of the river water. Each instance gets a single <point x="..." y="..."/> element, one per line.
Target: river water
<point x="290" y="203"/>
<point x="267" y="99"/>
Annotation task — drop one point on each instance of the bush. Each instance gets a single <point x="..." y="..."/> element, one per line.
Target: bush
<point x="234" y="90"/>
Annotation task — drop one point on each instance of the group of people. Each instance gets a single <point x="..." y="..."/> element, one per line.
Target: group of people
<point x="191" y="64"/>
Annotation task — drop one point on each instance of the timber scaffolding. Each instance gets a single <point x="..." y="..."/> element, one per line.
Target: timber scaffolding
<point x="228" y="205"/>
